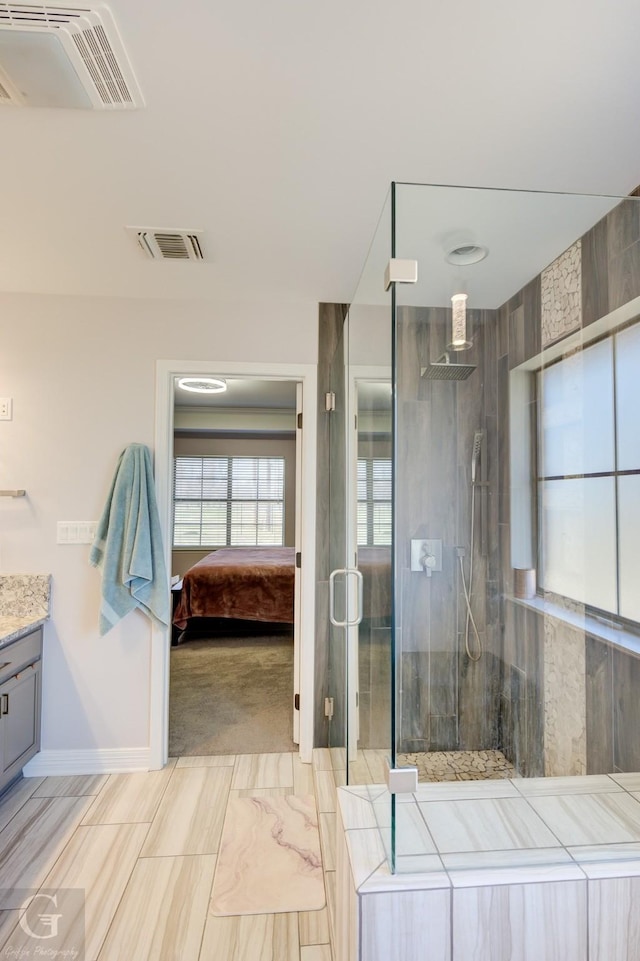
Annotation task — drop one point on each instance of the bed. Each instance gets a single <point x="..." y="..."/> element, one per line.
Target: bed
<point x="374" y="564"/>
<point x="256" y="584"/>
<point x="239" y="583"/>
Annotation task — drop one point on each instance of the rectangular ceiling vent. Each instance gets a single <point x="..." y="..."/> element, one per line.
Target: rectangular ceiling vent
<point x="169" y="244"/>
<point x="64" y="57"/>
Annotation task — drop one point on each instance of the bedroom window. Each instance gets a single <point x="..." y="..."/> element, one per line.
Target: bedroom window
<point x="374" y="501"/>
<point x="228" y="501"/>
<point x="589" y="477"/>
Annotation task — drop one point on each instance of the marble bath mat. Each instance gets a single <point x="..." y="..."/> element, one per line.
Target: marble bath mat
<point x="269" y="859"/>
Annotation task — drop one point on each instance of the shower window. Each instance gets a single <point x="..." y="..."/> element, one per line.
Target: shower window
<point x="221" y="501"/>
<point x="589" y="475"/>
<point x="374" y="501"/>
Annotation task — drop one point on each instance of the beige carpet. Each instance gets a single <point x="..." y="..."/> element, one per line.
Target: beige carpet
<point x="231" y="696"/>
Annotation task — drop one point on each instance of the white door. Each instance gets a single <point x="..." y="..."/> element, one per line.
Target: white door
<point x="297" y="611"/>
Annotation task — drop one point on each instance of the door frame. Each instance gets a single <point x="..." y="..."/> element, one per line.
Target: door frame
<point x="306" y="374"/>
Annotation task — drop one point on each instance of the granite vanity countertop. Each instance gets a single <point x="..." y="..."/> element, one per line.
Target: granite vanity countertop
<point x="13" y="627"/>
<point x="24" y="604"/>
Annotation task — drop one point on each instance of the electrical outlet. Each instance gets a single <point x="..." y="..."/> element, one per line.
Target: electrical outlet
<point x="6" y="408"/>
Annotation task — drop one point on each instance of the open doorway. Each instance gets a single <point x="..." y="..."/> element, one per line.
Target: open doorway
<point x="235" y="531"/>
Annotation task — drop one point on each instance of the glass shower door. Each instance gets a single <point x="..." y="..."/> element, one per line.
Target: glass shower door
<point x="359" y="551"/>
<point x="360" y="547"/>
<point x="336" y="403"/>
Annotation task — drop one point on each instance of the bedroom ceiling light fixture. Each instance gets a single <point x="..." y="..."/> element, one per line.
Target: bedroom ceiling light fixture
<point x="459" y="323"/>
<point x="203" y="385"/>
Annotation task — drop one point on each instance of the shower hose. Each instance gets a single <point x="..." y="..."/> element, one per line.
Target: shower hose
<point x="470" y="620"/>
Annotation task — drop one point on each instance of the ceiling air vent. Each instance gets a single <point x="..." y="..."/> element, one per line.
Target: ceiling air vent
<point x="169" y="244"/>
<point x="64" y="57"/>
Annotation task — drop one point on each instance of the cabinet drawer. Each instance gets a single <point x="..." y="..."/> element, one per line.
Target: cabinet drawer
<point x="17" y="655"/>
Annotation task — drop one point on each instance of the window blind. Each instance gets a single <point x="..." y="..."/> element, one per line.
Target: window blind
<point x="228" y="501"/>
<point x="374" y="515"/>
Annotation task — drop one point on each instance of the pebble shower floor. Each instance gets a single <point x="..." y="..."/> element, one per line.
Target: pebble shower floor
<point x="459" y="765"/>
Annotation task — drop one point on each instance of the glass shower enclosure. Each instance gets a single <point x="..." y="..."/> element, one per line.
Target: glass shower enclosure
<point x="360" y="557"/>
<point x="489" y="626"/>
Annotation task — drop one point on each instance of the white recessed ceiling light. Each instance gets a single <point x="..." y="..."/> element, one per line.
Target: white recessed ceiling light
<point x="203" y="385"/>
<point x="464" y="254"/>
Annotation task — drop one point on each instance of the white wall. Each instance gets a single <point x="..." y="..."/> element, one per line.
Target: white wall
<point x="81" y="372"/>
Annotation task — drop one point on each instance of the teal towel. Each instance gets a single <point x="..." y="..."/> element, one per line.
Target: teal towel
<point x="128" y="544"/>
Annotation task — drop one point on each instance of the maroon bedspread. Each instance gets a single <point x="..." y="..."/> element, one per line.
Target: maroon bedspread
<point x="375" y="565"/>
<point x="249" y="583"/>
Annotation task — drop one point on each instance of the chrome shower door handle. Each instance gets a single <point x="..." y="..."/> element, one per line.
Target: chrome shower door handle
<point x="332" y="597"/>
<point x="332" y="594"/>
<point x="360" y="608"/>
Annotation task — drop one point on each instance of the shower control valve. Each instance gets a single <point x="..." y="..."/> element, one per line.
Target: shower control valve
<point x="426" y="555"/>
<point x="428" y="562"/>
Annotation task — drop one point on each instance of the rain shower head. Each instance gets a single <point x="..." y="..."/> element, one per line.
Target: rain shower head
<point x="443" y="369"/>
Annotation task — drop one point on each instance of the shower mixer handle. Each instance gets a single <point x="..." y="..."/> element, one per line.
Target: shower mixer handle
<point x="428" y="562"/>
<point x="426" y="555"/>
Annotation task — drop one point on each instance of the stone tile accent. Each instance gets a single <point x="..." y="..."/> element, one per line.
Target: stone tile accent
<point x="565" y="725"/>
<point x="562" y="295"/>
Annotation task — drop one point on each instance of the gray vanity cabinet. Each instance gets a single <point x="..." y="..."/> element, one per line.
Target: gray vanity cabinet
<point x="20" y="702"/>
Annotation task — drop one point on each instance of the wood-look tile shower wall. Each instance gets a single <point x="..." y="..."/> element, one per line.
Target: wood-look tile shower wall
<point x="446" y="701"/>
<point x="330" y="326"/>
<point x="569" y="701"/>
<point x="554" y="699"/>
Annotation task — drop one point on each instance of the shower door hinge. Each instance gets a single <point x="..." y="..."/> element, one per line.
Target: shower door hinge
<point x="296" y="702"/>
<point x="328" y="707"/>
<point x="401" y="780"/>
<point x="400" y="272"/>
<point x="300" y="421"/>
<point x="329" y="401"/>
<point x="298" y="558"/>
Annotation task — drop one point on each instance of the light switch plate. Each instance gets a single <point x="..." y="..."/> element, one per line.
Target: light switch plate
<point x="76" y="532"/>
<point x="6" y="408"/>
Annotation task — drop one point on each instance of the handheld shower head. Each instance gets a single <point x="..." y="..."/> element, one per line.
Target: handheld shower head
<point x="478" y="439"/>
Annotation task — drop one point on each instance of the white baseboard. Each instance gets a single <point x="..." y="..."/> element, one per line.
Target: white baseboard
<point x="97" y="761"/>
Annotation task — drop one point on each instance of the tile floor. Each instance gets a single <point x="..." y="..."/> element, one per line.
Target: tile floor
<point x="468" y="833"/>
<point x="494" y="870"/>
<point x="144" y="849"/>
